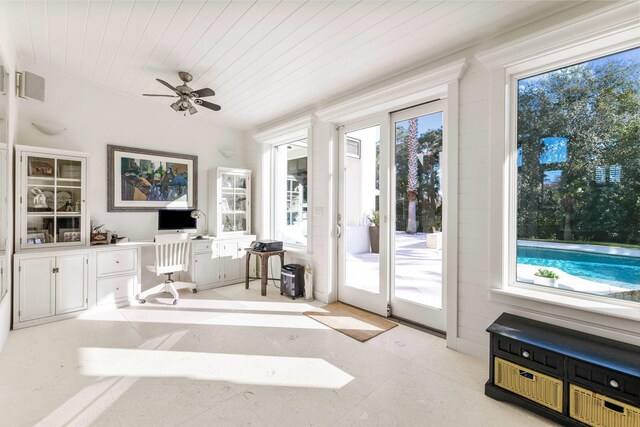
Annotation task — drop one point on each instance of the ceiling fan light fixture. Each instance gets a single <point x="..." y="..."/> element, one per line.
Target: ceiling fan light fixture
<point x="187" y="96"/>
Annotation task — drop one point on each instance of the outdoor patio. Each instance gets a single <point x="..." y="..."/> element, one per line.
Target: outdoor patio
<point x="418" y="270"/>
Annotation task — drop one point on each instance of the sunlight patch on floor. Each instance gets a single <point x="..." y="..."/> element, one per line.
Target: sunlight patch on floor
<point x="93" y="400"/>
<point x="191" y="317"/>
<point x="236" y="305"/>
<point x="234" y="368"/>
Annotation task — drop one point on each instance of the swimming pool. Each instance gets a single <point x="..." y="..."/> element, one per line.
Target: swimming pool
<point x="622" y="271"/>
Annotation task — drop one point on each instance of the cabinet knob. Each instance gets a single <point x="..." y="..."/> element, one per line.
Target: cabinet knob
<point x="117" y="262"/>
<point x="525" y="353"/>
<point x="614" y="383"/>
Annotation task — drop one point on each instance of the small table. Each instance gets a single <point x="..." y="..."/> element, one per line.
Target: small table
<point x="264" y="268"/>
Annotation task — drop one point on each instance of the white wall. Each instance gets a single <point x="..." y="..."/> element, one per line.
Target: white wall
<point x="7" y="50"/>
<point x="95" y="116"/>
<point x="476" y="307"/>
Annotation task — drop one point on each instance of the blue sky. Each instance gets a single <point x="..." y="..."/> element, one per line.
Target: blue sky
<point x="425" y="123"/>
<point x="632" y="55"/>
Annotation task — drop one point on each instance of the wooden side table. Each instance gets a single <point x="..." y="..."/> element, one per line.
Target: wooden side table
<point x="264" y="268"/>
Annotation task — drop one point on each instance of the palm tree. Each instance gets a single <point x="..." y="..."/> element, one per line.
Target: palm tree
<point x="412" y="175"/>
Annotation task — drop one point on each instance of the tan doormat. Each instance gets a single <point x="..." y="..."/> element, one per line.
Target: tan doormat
<point x="358" y="324"/>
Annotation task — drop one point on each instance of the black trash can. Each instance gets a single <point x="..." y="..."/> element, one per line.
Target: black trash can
<point x="292" y="283"/>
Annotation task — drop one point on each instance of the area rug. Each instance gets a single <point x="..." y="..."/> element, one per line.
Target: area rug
<point x="358" y="324"/>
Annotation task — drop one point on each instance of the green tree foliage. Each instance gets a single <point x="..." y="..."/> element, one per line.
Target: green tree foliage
<point x="596" y="107"/>
<point x="429" y="203"/>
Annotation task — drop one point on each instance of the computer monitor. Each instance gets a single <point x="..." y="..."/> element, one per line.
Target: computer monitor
<point x="176" y="220"/>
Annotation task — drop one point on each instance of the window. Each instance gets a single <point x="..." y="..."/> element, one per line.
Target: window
<point x="290" y="192"/>
<point x="577" y="177"/>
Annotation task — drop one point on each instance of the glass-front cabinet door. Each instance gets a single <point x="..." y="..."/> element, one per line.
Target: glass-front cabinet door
<point x="233" y="201"/>
<point x="52" y="201"/>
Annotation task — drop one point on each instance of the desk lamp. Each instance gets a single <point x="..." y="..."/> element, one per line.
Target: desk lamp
<point x="197" y="213"/>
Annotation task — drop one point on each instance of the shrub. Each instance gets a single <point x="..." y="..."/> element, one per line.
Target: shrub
<point x="543" y="272"/>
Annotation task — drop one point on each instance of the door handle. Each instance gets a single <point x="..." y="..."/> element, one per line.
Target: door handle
<point x="338" y="231"/>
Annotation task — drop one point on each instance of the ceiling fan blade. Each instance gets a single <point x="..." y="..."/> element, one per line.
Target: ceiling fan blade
<point x="201" y="93"/>
<point x="153" y="94"/>
<point x="209" y="105"/>
<point x="169" y="86"/>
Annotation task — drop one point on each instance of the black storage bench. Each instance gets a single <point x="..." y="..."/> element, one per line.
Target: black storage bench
<point x="573" y="378"/>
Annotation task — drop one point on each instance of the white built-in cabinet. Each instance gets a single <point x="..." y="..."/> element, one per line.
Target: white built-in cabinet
<point x="230" y="202"/>
<point x="51" y="285"/>
<point x="56" y="274"/>
<point x="218" y="262"/>
<point x="58" y="284"/>
<point x="51" y="198"/>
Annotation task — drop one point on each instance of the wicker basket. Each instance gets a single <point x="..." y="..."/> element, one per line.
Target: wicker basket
<point x="597" y="410"/>
<point x="537" y="387"/>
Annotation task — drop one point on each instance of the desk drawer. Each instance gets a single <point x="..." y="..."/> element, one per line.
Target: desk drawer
<point x="605" y="380"/>
<point x="528" y="355"/>
<point x="205" y="246"/>
<point x="116" y="262"/>
<point x="115" y="289"/>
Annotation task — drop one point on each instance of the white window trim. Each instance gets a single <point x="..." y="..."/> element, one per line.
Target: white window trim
<point x="294" y="130"/>
<point x="608" y="30"/>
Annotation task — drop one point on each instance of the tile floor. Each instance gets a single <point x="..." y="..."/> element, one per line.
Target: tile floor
<point x="229" y="357"/>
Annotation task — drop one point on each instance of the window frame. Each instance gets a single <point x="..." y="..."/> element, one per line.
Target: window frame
<point x="598" y="32"/>
<point x="274" y="159"/>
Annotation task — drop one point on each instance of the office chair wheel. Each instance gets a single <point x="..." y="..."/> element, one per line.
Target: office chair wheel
<point x="281" y="293"/>
<point x="194" y="290"/>
<point x="175" y="302"/>
<point x="142" y="301"/>
<point x="293" y="298"/>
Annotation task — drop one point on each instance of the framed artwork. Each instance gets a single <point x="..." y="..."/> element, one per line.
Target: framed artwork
<point x="148" y="180"/>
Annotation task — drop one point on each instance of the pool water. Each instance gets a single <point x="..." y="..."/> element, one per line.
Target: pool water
<point x="621" y="271"/>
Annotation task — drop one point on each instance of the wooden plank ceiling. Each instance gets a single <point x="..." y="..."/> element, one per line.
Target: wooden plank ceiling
<point x="264" y="59"/>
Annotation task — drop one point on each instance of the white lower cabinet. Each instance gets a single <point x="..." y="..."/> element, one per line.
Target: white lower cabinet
<point x="37" y="284"/>
<point x="217" y="262"/>
<point x="230" y="256"/>
<point x="56" y="285"/>
<point x="71" y="283"/>
<point x="51" y="285"/>
<point x="207" y="269"/>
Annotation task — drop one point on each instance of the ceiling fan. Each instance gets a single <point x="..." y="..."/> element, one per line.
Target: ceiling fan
<point x="186" y="95"/>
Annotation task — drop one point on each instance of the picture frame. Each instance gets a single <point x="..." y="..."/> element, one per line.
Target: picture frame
<point x="36" y="237"/>
<point x="140" y="180"/>
<point x="71" y="236"/>
<point x="41" y="167"/>
<point x="66" y="235"/>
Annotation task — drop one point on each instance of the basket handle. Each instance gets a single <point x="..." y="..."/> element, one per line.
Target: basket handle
<point x="525" y="374"/>
<point x="613" y="407"/>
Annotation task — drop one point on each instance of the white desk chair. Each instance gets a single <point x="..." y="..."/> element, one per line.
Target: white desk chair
<point x="172" y="256"/>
